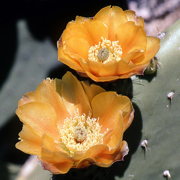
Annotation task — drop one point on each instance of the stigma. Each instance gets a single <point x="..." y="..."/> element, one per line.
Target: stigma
<point x="105" y="51"/>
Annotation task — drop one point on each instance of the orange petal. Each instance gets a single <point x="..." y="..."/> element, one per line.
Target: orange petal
<point x="82" y="19"/>
<point x="153" y="45"/>
<point x="127" y="111"/>
<point x="27" y="98"/>
<point x="76" y="29"/>
<point x="131" y="64"/>
<point x="131" y="37"/>
<point x="47" y="92"/>
<point x="109" y="108"/>
<point x="108" y="104"/>
<point x="106" y="159"/>
<point x="64" y="58"/>
<point x="89" y="157"/>
<point x="76" y="48"/>
<point x="101" y="79"/>
<point x="131" y="16"/>
<point x="113" y="17"/>
<point x="124" y="67"/>
<point x="40" y="117"/>
<point x="30" y="142"/>
<point x="124" y="70"/>
<point x="102" y="156"/>
<point x="128" y="118"/>
<point x="133" y="56"/>
<point x="99" y="69"/>
<point x="96" y="30"/>
<point x="53" y="159"/>
<point x="100" y="72"/>
<point x="138" y="70"/>
<point x="91" y="90"/>
<point x="113" y="138"/>
<point x="73" y="95"/>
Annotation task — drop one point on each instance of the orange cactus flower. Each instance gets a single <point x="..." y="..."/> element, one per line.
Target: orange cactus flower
<point x="71" y="124"/>
<point x="111" y="45"/>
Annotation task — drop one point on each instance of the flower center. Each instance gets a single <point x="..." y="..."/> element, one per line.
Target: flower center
<point x="105" y="51"/>
<point x="79" y="133"/>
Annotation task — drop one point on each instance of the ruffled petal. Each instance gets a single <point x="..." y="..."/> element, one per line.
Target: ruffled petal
<point x="102" y="156"/>
<point x="106" y="104"/>
<point x="73" y="95"/>
<point x="91" y="90"/>
<point x="134" y="57"/>
<point x="131" y="37"/>
<point x="40" y="117"/>
<point x="124" y="67"/>
<point x="76" y="29"/>
<point x="107" y="158"/>
<point x="76" y="48"/>
<point x="131" y="16"/>
<point x="100" y="72"/>
<point x="64" y="58"/>
<point x="27" y="98"/>
<point x="100" y="78"/>
<point x="99" y="69"/>
<point x="153" y="45"/>
<point x="96" y="30"/>
<point x="53" y="159"/>
<point x="113" y="17"/>
<point x="110" y="109"/>
<point x="46" y="92"/>
<point x="30" y="142"/>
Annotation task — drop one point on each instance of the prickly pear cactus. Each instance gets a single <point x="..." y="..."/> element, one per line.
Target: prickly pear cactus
<point x="157" y="120"/>
<point x="160" y="115"/>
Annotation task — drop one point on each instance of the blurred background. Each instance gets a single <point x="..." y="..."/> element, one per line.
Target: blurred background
<point x="29" y="30"/>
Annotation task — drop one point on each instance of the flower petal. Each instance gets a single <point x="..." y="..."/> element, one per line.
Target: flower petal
<point x="100" y="72"/>
<point x="64" y="58"/>
<point x="30" y="142"/>
<point x="39" y="116"/>
<point x="127" y="112"/>
<point x="96" y="30"/>
<point x="113" y="17"/>
<point x="46" y="92"/>
<point x="131" y="16"/>
<point x="27" y="98"/>
<point x="107" y="104"/>
<point x="102" y="156"/>
<point x="53" y="159"/>
<point x="153" y="45"/>
<point x="131" y="37"/>
<point x="124" y="67"/>
<point x="91" y="90"/>
<point x="110" y="109"/>
<point x="76" y="29"/>
<point x="73" y="95"/>
<point x="107" y="69"/>
<point x="107" y="158"/>
<point x="91" y="155"/>
<point x="100" y="78"/>
<point x="76" y="48"/>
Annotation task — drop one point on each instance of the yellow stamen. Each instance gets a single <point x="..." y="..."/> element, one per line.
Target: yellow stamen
<point x="81" y="132"/>
<point x="105" y="51"/>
